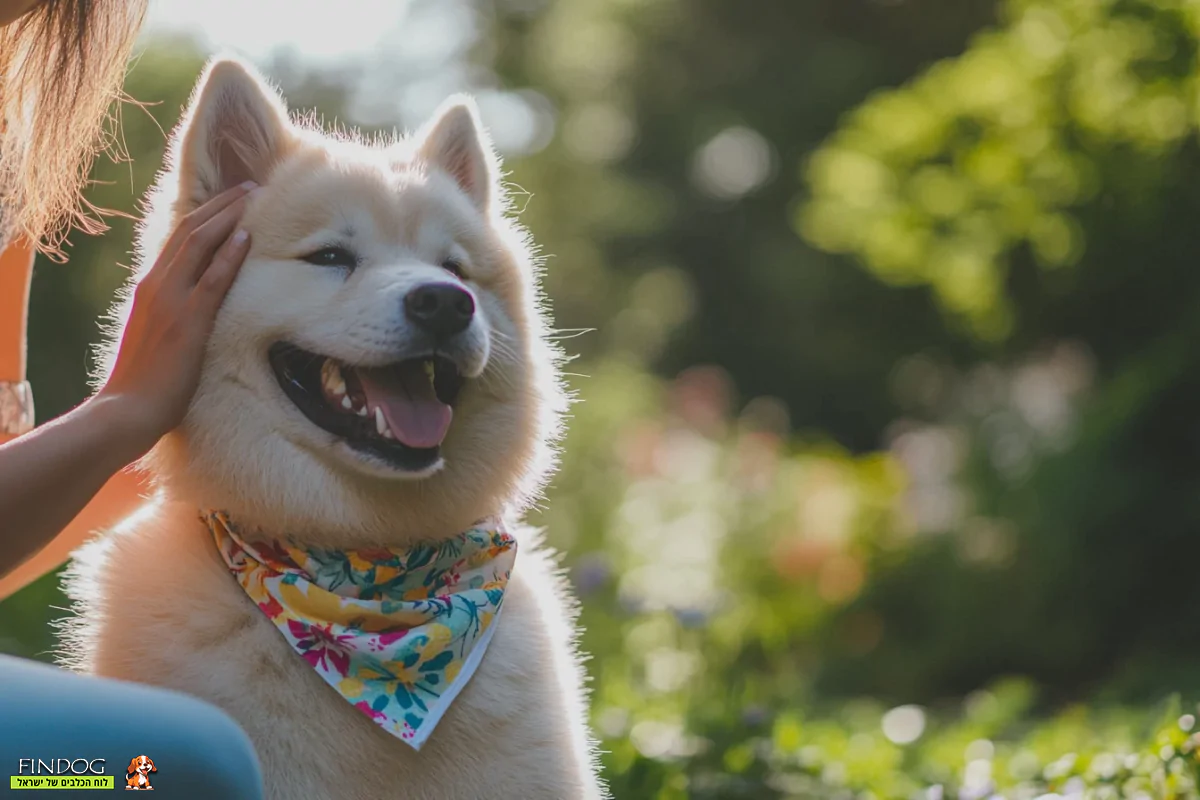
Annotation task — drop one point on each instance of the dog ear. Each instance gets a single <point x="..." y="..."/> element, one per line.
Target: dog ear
<point x="233" y="131"/>
<point x="132" y="768"/>
<point x="456" y="143"/>
<point x="152" y="767"/>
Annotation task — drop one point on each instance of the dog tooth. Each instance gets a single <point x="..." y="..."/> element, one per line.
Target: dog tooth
<point x="331" y="378"/>
<point x="429" y="371"/>
<point x="380" y="423"/>
<point x="362" y="411"/>
<point x="346" y="402"/>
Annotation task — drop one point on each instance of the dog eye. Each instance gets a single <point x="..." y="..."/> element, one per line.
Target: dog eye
<point x="332" y="257"/>
<point x="454" y="268"/>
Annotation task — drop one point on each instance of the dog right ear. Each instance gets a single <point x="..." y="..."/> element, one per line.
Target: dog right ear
<point x="132" y="768"/>
<point x="234" y="130"/>
<point x="456" y="143"/>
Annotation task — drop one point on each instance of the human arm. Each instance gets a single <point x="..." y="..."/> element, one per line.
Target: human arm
<point x="49" y="475"/>
<point x="120" y="494"/>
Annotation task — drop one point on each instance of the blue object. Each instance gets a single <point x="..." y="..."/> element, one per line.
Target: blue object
<point x="49" y="714"/>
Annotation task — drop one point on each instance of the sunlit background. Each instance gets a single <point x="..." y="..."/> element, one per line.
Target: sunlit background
<point x="886" y="478"/>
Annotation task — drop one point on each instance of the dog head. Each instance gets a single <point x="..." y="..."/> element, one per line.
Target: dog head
<point x="380" y="370"/>
<point x="141" y="765"/>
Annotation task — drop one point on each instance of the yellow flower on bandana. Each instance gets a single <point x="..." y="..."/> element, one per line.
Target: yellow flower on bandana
<point x="385" y="573"/>
<point x="397" y="633"/>
<point x="357" y="561"/>
<point x="439" y="639"/>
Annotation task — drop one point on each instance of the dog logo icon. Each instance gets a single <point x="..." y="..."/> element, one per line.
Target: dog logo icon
<point x="137" y="775"/>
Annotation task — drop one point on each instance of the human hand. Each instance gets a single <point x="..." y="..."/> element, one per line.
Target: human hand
<point x="158" y="360"/>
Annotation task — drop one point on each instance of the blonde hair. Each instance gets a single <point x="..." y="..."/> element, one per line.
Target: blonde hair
<point x="61" y="66"/>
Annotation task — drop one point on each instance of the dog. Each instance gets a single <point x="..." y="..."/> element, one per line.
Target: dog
<point x="137" y="774"/>
<point x="343" y="233"/>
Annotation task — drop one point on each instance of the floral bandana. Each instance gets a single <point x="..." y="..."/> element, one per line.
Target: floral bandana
<point x="397" y="633"/>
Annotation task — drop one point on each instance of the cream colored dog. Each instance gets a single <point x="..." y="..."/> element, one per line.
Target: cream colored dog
<point x="343" y="234"/>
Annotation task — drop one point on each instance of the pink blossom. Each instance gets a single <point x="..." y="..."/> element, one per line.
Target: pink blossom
<point x="318" y="642"/>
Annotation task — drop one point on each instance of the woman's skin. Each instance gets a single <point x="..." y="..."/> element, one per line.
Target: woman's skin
<point x="50" y="474"/>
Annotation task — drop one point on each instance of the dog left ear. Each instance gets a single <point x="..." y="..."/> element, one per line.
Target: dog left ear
<point x="456" y="143"/>
<point x="234" y="130"/>
<point x="152" y="767"/>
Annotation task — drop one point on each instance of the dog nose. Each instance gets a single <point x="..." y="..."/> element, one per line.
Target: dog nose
<point x="442" y="309"/>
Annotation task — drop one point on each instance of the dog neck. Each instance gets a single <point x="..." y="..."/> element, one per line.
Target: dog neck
<point x="334" y="513"/>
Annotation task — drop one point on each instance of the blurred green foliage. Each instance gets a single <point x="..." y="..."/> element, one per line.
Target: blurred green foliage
<point x="938" y="182"/>
<point x="891" y="389"/>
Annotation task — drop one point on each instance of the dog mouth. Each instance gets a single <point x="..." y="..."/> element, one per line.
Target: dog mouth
<point x="399" y="413"/>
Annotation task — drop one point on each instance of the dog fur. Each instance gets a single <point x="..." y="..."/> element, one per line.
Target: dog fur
<point x="518" y="730"/>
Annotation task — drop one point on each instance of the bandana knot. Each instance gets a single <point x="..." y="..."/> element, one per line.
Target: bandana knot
<point x="397" y="633"/>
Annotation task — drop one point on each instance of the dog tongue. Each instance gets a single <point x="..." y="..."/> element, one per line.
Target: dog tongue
<point x="410" y="406"/>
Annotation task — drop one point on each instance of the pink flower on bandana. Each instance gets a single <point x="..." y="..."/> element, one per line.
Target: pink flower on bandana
<point x="318" y="642"/>
<point x="382" y="641"/>
<point x="378" y="554"/>
<point x="365" y="707"/>
<point x="277" y="554"/>
<point x="271" y="607"/>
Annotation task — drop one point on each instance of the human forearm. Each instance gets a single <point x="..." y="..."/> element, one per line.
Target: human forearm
<point x="50" y="474"/>
<point x="118" y="499"/>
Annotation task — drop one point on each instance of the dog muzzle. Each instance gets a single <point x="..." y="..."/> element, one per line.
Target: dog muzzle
<point x="397" y="633"/>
